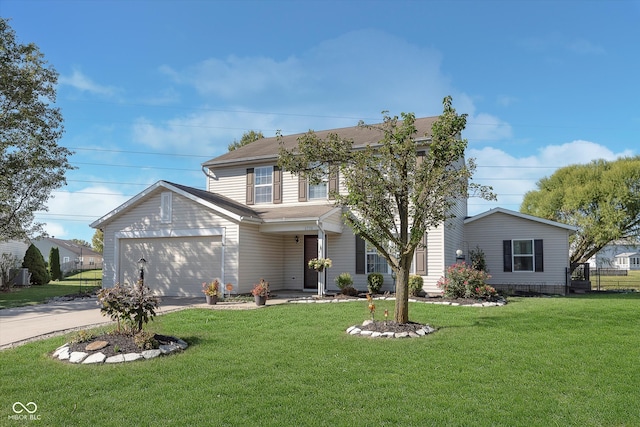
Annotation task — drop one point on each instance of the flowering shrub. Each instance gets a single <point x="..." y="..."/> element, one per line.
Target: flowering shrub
<point x="211" y="289"/>
<point x="133" y="305"/>
<point x="462" y="281"/>
<point x="320" y="264"/>
<point x="261" y="289"/>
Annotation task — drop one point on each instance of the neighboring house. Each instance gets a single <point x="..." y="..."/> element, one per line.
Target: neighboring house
<point x="256" y="221"/>
<point x="627" y="261"/>
<point x="16" y="248"/>
<point x="608" y="258"/>
<point x="72" y="255"/>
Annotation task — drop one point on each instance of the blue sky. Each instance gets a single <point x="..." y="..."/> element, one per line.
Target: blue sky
<point x="151" y="89"/>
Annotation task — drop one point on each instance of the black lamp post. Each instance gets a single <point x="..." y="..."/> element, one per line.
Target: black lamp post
<point x="141" y="264"/>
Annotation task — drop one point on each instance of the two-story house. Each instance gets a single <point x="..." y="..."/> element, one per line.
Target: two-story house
<point x="256" y="221"/>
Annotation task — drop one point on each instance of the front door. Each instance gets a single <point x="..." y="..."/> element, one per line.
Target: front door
<point x="310" y="252"/>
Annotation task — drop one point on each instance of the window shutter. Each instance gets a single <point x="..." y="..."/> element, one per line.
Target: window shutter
<point x="360" y="256"/>
<point x="421" y="257"/>
<point x="333" y="183"/>
<point x="538" y="255"/>
<point x="302" y="188"/>
<point x="250" y="192"/>
<point x="277" y="185"/>
<point x="506" y="255"/>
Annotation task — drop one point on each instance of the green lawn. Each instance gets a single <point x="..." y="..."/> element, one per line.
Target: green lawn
<point x="535" y="362"/>
<point x="83" y="282"/>
<point x="631" y="281"/>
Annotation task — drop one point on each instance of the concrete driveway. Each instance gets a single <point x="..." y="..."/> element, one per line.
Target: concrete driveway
<point x="24" y="324"/>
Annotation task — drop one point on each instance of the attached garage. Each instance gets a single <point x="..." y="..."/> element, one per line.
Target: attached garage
<point x="176" y="266"/>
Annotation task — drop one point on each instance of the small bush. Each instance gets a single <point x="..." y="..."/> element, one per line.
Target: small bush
<point x="82" y="335"/>
<point x="463" y="281"/>
<point x="478" y="261"/>
<point x="344" y="280"/>
<point x="415" y="285"/>
<point x="374" y="282"/>
<point x="133" y="305"/>
<point x="350" y="290"/>
<point x="145" y="340"/>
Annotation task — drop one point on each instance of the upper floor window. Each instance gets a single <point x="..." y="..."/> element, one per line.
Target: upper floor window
<point x="319" y="190"/>
<point x="264" y="184"/>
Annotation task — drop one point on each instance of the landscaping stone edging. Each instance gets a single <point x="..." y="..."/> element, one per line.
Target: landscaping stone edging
<point x="64" y="353"/>
<point x="310" y="300"/>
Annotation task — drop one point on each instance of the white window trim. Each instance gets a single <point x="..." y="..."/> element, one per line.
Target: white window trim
<point x="532" y="256"/>
<point x="166" y="202"/>
<point x="256" y="185"/>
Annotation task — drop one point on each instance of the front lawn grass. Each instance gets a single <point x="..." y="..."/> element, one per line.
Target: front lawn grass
<point x="534" y="362"/>
<point x="630" y="281"/>
<point x="86" y="281"/>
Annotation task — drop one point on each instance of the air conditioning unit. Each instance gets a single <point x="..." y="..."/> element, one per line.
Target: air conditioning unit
<point x="21" y="276"/>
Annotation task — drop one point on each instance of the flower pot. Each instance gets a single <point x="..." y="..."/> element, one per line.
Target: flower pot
<point x="260" y="300"/>
<point x="319" y="269"/>
<point x="212" y="300"/>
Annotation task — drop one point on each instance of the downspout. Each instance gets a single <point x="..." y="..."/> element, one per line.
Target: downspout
<point x="224" y="244"/>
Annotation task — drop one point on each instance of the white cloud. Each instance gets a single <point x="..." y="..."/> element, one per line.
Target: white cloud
<point x="83" y="83"/>
<point x="511" y="176"/>
<point x="71" y="212"/>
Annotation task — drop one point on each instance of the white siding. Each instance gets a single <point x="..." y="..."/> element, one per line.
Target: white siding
<point x="15" y="248"/>
<point x="260" y="256"/>
<point x="489" y="232"/>
<point x="144" y="218"/>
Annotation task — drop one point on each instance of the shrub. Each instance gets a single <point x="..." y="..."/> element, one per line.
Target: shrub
<point x="477" y="258"/>
<point x="344" y="280"/>
<point x="134" y="305"/>
<point x="145" y="340"/>
<point x="463" y="281"/>
<point x="415" y="285"/>
<point x="350" y="290"/>
<point x="375" y="282"/>
<point x="34" y="261"/>
<point x="54" y="264"/>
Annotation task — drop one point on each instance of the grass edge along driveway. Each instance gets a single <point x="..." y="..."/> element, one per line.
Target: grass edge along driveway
<point x="534" y="362"/>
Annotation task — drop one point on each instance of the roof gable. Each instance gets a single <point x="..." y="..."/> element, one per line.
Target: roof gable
<point x="268" y="148"/>
<point x="521" y="216"/>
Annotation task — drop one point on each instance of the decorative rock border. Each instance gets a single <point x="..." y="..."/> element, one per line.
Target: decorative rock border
<point x="363" y="331"/>
<point x="64" y="353"/>
<point x="310" y="300"/>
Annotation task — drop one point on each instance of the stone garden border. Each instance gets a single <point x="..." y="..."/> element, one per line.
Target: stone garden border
<point x="64" y="353"/>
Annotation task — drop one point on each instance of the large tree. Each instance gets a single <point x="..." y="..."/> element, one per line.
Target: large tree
<point x="32" y="164"/>
<point x="247" y="138"/>
<point x="393" y="194"/>
<point x="601" y="198"/>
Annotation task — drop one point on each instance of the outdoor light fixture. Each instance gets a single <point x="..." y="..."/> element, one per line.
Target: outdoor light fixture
<point x="141" y="264"/>
<point x="459" y="255"/>
<point x="297" y="239"/>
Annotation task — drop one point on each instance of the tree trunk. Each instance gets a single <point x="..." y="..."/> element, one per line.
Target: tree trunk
<point x="401" y="314"/>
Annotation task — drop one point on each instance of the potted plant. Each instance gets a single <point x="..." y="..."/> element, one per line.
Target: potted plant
<point x="261" y="292"/>
<point x="319" y="264"/>
<point x="211" y="291"/>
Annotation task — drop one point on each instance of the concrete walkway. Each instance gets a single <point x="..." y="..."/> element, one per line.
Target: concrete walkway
<point x="24" y="324"/>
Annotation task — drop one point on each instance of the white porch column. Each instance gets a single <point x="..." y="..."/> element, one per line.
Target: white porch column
<point x="322" y="275"/>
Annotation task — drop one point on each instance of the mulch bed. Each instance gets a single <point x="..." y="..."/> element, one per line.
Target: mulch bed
<point x="117" y="344"/>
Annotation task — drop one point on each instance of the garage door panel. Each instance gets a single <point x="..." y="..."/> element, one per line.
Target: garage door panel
<point x="175" y="266"/>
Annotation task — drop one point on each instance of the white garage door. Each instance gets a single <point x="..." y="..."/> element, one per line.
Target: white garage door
<point x="176" y="266"/>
